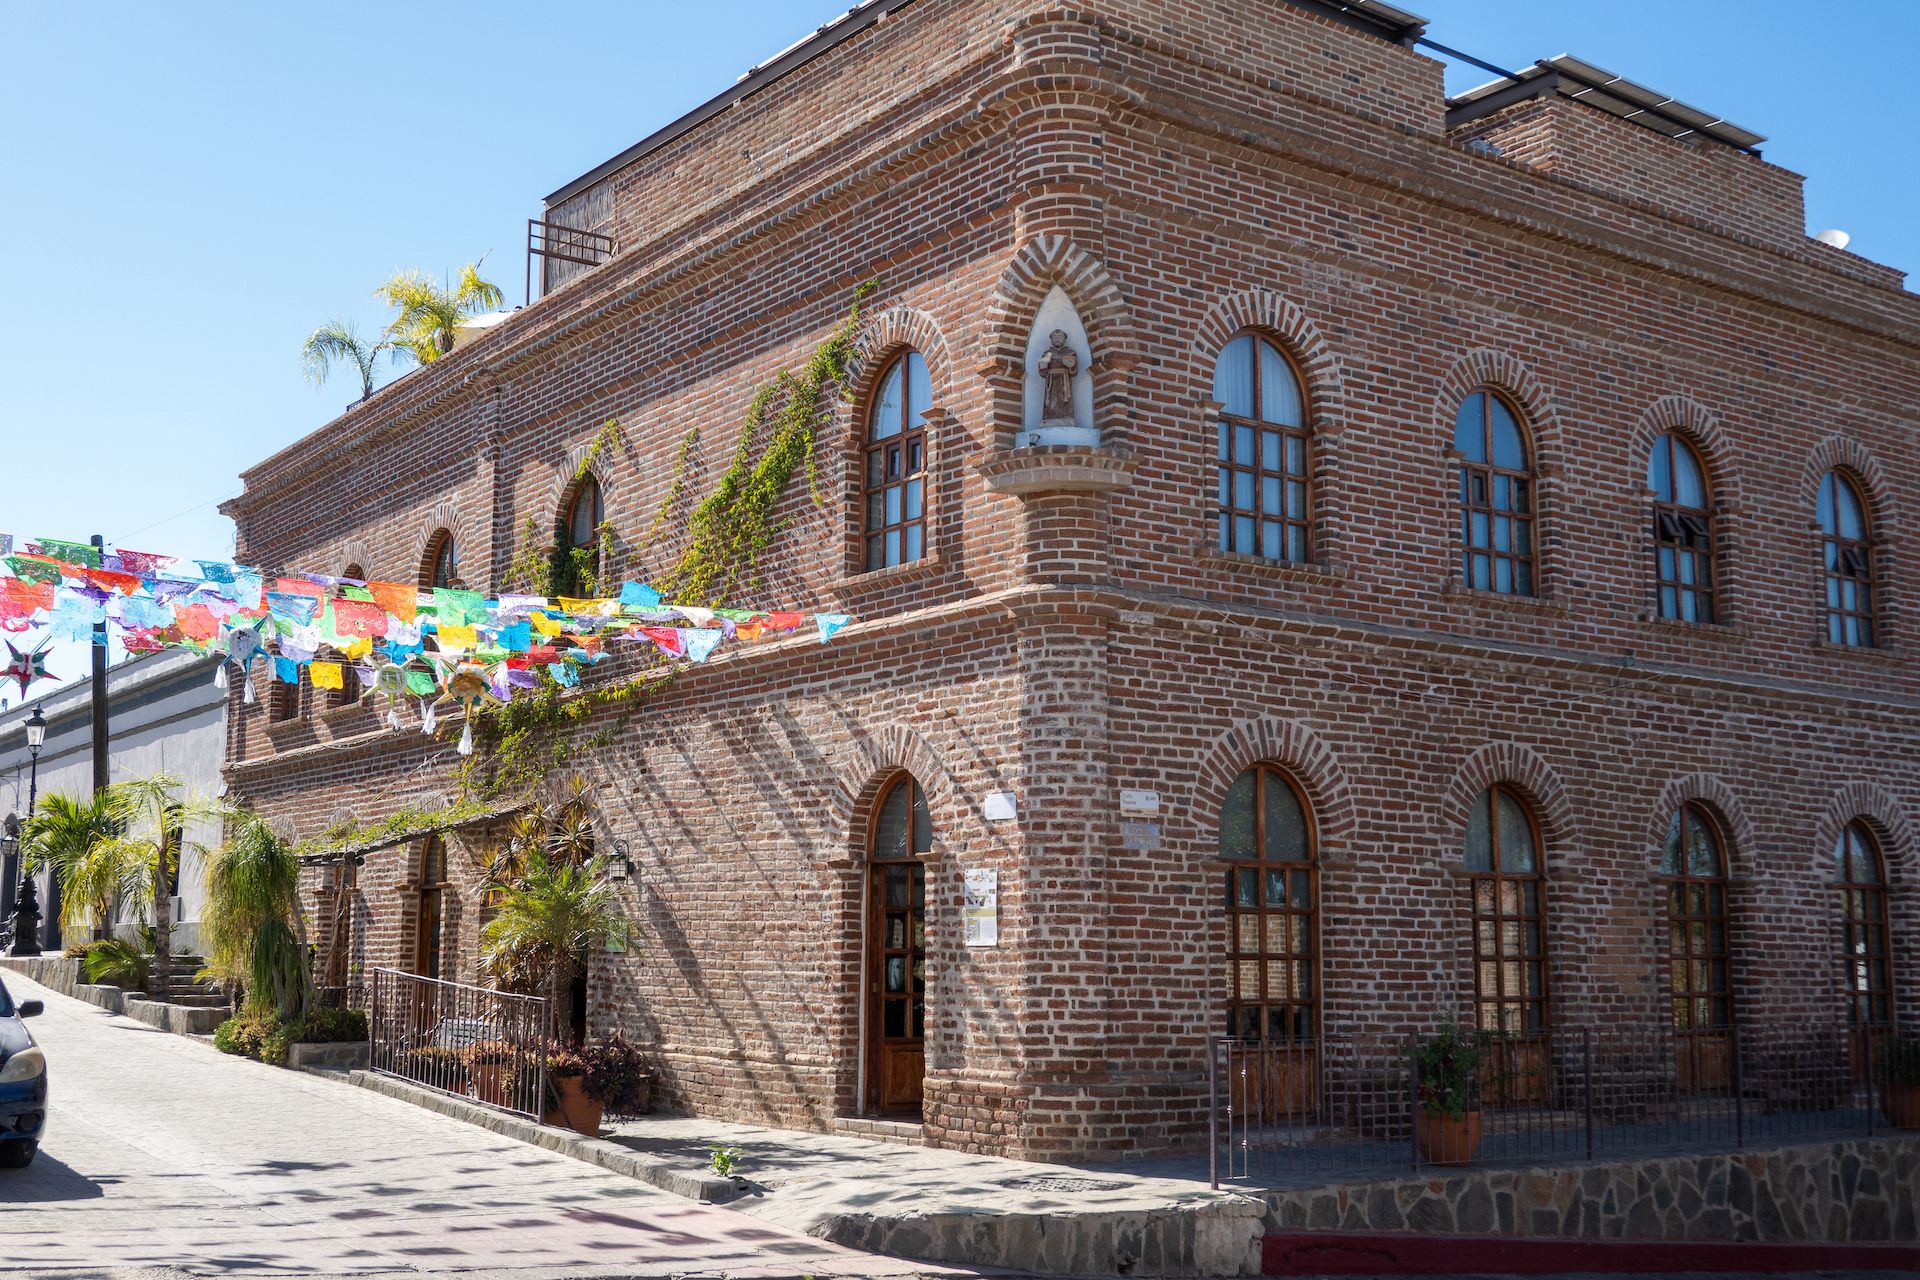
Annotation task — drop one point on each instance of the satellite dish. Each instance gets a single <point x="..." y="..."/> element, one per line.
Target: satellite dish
<point x="1838" y="239"/>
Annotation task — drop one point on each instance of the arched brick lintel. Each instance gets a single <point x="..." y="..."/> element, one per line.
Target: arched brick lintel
<point x="1285" y="320"/>
<point x="1719" y="799"/>
<point x="876" y="758"/>
<point x="1528" y="774"/>
<point x="1299" y="751"/>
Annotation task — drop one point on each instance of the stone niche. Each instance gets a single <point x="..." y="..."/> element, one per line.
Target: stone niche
<point x="1058" y="423"/>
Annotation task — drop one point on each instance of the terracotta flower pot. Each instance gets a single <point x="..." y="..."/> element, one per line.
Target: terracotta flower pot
<point x="576" y="1110"/>
<point x="1444" y="1140"/>
<point x="1901" y="1102"/>
<point x="491" y="1081"/>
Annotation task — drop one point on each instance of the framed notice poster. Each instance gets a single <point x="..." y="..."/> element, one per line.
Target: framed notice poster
<point x="980" y="909"/>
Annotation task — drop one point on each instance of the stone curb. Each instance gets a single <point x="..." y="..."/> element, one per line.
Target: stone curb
<point x="595" y="1151"/>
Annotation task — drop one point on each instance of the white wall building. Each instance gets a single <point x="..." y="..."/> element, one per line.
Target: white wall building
<point x="164" y="715"/>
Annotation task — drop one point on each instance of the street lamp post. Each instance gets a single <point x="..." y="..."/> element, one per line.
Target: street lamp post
<point x="26" y="904"/>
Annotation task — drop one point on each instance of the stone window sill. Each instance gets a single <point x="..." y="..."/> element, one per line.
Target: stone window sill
<point x="1454" y="589"/>
<point x="1885" y="655"/>
<point x="1302" y="571"/>
<point x="1696" y="630"/>
<point x="868" y="581"/>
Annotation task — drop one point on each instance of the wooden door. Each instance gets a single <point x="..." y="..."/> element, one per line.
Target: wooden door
<point x="896" y="987"/>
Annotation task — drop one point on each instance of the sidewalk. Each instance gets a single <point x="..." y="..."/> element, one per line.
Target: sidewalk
<point x="916" y="1202"/>
<point x="972" y="1210"/>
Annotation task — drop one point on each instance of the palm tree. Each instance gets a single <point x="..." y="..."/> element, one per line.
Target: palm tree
<point x="547" y="923"/>
<point x="151" y="836"/>
<point x="337" y="341"/>
<point x="251" y="923"/>
<point x="69" y="835"/>
<point x="428" y="313"/>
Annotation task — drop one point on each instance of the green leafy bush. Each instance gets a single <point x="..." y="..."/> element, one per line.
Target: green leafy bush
<point x="251" y="1035"/>
<point x="333" y="1026"/>
<point x="1448" y="1067"/>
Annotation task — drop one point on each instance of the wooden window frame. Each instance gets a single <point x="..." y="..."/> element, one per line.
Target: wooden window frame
<point x="1496" y="914"/>
<point x="283" y="699"/>
<point x="1230" y="466"/>
<point x="430" y="909"/>
<point x="442" y="547"/>
<point x="588" y="486"/>
<point x="876" y="950"/>
<point x="1301" y="1012"/>
<point x="1684" y="536"/>
<point x="1479" y="484"/>
<point x="878" y="457"/>
<point x="1863" y="916"/>
<point x="1694" y="905"/>
<point x="1848" y="562"/>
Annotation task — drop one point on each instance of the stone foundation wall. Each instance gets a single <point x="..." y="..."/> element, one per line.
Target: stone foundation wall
<point x="1855" y="1191"/>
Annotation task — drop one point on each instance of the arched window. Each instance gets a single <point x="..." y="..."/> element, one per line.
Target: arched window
<point x="894" y="496"/>
<point x="1693" y="864"/>
<point x="896" y="1015"/>
<point x="1266" y="839"/>
<point x="430" y="908"/>
<point x="443" y="561"/>
<point x="1496" y="496"/>
<point x="1262" y="451"/>
<point x="585" y="514"/>
<point x="349" y="691"/>
<point x="1682" y="531"/>
<point x="1502" y="858"/>
<point x="1866" y="967"/>
<point x="1848" y="556"/>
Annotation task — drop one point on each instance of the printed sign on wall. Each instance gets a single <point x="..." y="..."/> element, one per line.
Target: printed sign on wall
<point x="980" y="911"/>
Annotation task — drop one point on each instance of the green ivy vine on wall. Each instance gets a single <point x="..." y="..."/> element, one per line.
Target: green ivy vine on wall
<point x="527" y="738"/>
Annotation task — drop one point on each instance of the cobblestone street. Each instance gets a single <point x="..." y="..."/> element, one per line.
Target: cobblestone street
<point x="164" y="1157"/>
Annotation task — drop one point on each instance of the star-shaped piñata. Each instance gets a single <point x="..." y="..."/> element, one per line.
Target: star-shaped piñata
<point x="26" y="667"/>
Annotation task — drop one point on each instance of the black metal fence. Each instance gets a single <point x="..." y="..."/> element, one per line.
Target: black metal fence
<point x="466" y="1041"/>
<point x="1348" y="1107"/>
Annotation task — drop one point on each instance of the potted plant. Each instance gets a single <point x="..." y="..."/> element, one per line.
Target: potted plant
<point x="617" y="1076"/>
<point x="490" y="1066"/>
<point x="567" y="1102"/>
<point x="438" y="1067"/>
<point x="1899" y="1071"/>
<point x="1446" y="1123"/>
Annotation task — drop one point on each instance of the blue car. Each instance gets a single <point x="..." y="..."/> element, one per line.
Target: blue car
<point x="23" y="1084"/>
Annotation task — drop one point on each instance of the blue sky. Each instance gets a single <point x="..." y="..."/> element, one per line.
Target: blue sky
<point x="192" y="187"/>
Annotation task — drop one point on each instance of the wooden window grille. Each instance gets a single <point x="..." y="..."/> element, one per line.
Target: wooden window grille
<point x="894" y="493"/>
<point x="1266" y="839"/>
<point x="1496" y="496"/>
<point x="1866" y="969"/>
<point x="1847" y="554"/>
<point x="1262" y="452"/>
<point x="1682" y="532"/>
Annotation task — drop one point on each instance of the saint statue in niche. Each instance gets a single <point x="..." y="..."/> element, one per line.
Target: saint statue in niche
<point x="1057" y="366"/>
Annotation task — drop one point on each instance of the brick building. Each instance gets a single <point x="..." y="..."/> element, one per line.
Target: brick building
<point x="1442" y="503"/>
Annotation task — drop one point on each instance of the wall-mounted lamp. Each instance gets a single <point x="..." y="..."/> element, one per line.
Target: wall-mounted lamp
<point x="620" y="866"/>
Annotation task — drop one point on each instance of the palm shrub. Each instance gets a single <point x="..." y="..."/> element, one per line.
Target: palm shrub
<point x="251" y="923"/>
<point x="546" y="923"/>
<point x="338" y="342"/>
<point x="116" y="961"/>
<point x="151" y="835"/>
<point x="426" y="314"/>
<point x="71" y="836"/>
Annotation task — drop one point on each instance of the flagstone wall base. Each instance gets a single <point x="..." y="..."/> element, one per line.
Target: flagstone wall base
<point x="1853" y="1191"/>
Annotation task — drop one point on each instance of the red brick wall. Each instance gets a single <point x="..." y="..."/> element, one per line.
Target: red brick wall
<point x="1183" y="175"/>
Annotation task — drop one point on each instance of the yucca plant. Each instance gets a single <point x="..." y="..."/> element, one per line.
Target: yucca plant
<point x="251" y="922"/>
<point x="338" y="342"/>
<point x="546" y="924"/>
<point x="428" y="313"/>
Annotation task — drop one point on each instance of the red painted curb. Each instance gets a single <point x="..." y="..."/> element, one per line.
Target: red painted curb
<point x="1349" y="1253"/>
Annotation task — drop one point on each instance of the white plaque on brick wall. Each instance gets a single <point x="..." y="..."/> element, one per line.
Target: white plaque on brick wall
<point x="998" y="806"/>
<point x="980" y="909"/>
<point x="1132" y="801"/>
<point x="1140" y="835"/>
